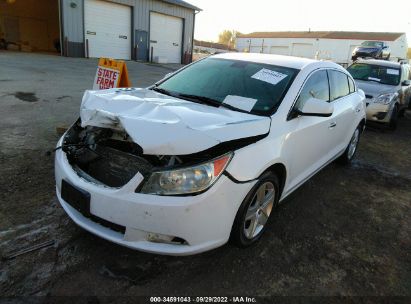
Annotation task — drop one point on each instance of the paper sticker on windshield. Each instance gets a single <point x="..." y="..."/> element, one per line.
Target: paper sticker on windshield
<point x="269" y="76"/>
<point x="374" y="79"/>
<point x="238" y="102"/>
<point x="393" y="72"/>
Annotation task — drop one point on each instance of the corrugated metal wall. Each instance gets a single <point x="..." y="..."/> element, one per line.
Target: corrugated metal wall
<point x="72" y="27"/>
<point x="73" y="21"/>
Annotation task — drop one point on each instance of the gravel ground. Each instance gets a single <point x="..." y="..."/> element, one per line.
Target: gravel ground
<point x="345" y="232"/>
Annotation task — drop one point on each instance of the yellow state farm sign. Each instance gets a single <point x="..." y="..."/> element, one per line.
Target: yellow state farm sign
<point x="111" y="74"/>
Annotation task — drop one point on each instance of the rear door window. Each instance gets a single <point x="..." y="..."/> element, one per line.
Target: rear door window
<point x="338" y="84"/>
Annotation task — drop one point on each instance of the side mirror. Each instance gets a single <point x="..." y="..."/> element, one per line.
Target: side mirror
<point x="406" y="83"/>
<point x="316" y="107"/>
<point x="385" y="47"/>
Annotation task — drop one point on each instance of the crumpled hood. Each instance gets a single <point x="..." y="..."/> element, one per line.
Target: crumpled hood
<point x="375" y="89"/>
<point x="165" y="125"/>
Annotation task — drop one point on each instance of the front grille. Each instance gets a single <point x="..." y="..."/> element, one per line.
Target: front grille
<point x="107" y="224"/>
<point x="110" y="166"/>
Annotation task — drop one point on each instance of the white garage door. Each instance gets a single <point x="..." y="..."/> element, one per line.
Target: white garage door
<point x="166" y="35"/>
<point x="258" y="49"/>
<point x="279" y="50"/>
<point x="107" y="27"/>
<point x="303" y="50"/>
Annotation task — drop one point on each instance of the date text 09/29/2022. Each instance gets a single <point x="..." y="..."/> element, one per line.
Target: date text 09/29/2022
<point x="234" y="299"/>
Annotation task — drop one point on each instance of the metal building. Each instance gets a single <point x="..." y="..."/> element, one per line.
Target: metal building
<point x="336" y="46"/>
<point x="146" y="30"/>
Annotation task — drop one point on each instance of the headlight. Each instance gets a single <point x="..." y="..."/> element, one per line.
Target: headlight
<point x="386" y="98"/>
<point x="186" y="180"/>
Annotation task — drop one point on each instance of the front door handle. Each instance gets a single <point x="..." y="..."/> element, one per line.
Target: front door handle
<point x="332" y="125"/>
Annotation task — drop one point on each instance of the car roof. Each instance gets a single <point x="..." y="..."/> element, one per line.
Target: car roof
<point x="384" y="63"/>
<point x="280" y="60"/>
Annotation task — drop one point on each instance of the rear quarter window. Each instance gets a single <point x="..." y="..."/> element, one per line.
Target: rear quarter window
<point x="351" y="85"/>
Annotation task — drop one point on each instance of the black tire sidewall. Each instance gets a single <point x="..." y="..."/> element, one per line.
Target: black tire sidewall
<point x="237" y="232"/>
<point x="394" y="118"/>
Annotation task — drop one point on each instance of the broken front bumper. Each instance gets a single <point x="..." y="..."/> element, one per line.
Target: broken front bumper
<point x="203" y="221"/>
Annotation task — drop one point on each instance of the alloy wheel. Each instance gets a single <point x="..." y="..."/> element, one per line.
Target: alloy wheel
<point x="353" y="143"/>
<point x="259" y="210"/>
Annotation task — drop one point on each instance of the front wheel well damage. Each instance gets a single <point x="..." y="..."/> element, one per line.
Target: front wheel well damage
<point x="362" y="125"/>
<point x="280" y="170"/>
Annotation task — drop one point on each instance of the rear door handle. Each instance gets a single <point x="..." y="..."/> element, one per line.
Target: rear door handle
<point x="332" y="125"/>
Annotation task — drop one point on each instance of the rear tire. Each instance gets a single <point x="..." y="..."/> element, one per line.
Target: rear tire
<point x="351" y="149"/>
<point x="254" y="213"/>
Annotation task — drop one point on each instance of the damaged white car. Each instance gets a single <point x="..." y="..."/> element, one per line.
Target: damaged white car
<point x="206" y="154"/>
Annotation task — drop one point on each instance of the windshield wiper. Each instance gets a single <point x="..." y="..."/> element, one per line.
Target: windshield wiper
<point x="198" y="99"/>
<point x="164" y="91"/>
<point x="201" y="99"/>
<point x="367" y="79"/>
<point x="195" y="98"/>
<point x="209" y="101"/>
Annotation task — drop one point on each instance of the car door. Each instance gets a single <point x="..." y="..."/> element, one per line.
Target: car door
<point x="405" y="91"/>
<point x="309" y="144"/>
<point x="346" y="105"/>
<point x="408" y="88"/>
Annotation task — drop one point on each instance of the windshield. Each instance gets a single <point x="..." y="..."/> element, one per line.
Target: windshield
<point x="372" y="44"/>
<point x="239" y="85"/>
<point x="381" y="74"/>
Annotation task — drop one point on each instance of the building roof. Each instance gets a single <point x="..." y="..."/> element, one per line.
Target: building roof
<point x="213" y="45"/>
<point x="326" y="35"/>
<point x="183" y="4"/>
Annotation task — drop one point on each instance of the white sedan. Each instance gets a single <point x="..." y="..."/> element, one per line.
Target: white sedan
<point x="205" y="155"/>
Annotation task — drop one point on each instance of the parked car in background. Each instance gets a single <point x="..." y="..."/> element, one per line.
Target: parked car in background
<point x="372" y="49"/>
<point x="387" y="88"/>
<point x="206" y="154"/>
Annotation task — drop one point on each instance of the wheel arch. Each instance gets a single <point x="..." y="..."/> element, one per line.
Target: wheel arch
<point x="281" y="171"/>
<point x="362" y="124"/>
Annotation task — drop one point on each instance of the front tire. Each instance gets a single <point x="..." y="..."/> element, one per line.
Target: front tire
<point x="392" y="125"/>
<point x="254" y="213"/>
<point x="351" y="149"/>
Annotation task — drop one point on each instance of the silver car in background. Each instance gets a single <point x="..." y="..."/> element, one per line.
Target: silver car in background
<point x="387" y="88"/>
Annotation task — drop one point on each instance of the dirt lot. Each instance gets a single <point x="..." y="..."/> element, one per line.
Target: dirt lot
<point x="347" y="231"/>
